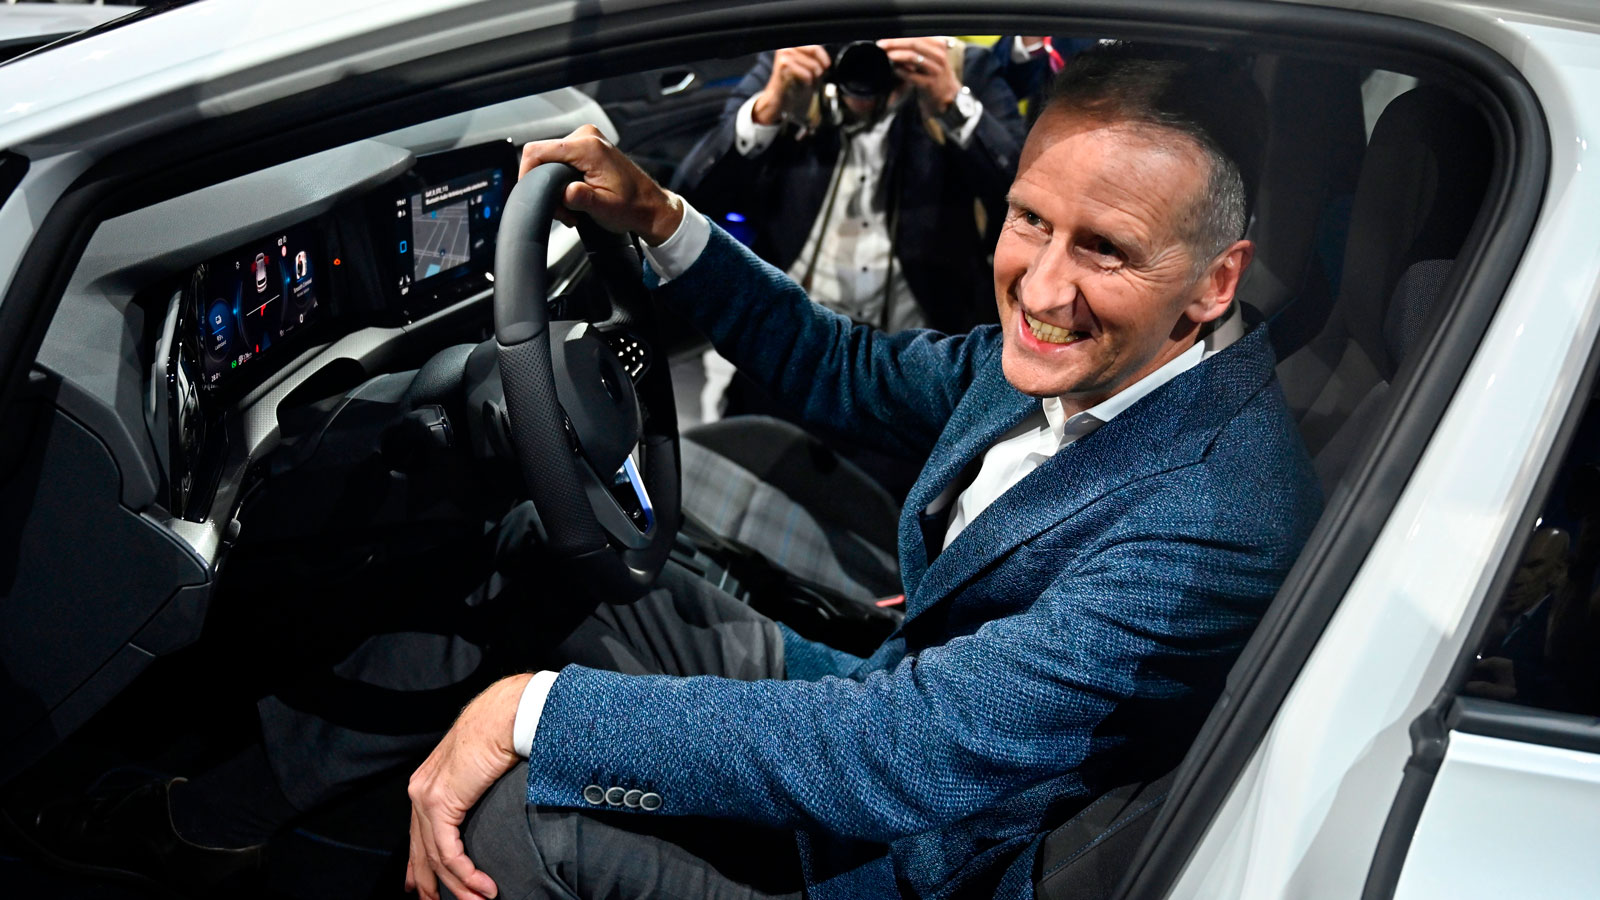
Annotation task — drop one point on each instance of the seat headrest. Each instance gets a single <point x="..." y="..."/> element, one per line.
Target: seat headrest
<point x="1409" y="307"/>
<point x="1422" y="180"/>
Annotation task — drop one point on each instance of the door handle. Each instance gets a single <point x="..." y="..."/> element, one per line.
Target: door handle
<point x="678" y="87"/>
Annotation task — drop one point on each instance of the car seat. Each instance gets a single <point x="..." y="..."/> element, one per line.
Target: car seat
<point x="1302" y="200"/>
<point x="1422" y="181"/>
<point x="766" y="485"/>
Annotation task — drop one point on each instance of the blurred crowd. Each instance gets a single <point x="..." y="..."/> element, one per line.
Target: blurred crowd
<point x="1541" y="646"/>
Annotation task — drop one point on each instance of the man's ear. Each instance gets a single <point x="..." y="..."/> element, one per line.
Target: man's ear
<point x="1215" y="289"/>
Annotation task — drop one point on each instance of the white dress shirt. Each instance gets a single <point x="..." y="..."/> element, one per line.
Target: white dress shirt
<point x="1005" y="463"/>
<point x="1043" y="434"/>
<point x="1022" y="51"/>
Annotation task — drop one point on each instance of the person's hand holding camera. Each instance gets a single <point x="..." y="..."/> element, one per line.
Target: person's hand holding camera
<point x="924" y="63"/>
<point x="803" y="66"/>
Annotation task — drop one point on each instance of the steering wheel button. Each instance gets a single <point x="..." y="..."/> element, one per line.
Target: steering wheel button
<point x="615" y="795"/>
<point x="650" y="802"/>
<point x="594" y="795"/>
<point x="631" y="799"/>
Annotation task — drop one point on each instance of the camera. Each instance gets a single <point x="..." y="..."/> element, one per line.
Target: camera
<point x="860" y="70"/>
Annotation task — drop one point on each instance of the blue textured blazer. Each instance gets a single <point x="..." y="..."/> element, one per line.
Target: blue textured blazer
<point x="1071" y="639"/>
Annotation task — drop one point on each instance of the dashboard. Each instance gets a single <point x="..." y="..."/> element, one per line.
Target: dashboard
<point x="387" y="257"/>
<point x="196" y="345"/>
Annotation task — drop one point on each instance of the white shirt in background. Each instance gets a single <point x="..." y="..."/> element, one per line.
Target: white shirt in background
<point x="848" y="250"/>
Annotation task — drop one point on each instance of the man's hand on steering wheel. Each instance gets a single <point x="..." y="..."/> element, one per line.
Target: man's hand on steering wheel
<point x="617" y="194"/>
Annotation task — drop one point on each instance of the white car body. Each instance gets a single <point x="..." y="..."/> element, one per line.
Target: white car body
<point x="1305" y="817"/>
<point x="38" y="21"/>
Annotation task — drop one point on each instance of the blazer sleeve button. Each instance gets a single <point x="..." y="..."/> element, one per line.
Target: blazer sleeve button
<point x="615" y="795"/>
<point x="594" y="795"/>
<point x="631" y="799"/>
<point x="650" y="802"/>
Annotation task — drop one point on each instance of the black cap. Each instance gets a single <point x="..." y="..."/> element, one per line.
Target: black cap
<point x="862" y="69"/>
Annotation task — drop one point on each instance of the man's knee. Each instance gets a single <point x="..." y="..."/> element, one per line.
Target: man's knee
<point x="499" y="841"/>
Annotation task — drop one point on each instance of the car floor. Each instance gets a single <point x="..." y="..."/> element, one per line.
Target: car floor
<point x="354" y="848"/>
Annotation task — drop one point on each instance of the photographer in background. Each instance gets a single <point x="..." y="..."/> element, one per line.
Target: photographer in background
<point x="872" y="173"/>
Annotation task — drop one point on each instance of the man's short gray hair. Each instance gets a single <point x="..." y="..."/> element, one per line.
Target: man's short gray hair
<point x="1196" y="94"/>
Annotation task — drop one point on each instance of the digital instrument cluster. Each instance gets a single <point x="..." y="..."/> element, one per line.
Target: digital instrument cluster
<point x="251" y="299"/>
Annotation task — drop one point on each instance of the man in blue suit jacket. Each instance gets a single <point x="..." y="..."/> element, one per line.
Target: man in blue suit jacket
<point x="1108" y="505"/>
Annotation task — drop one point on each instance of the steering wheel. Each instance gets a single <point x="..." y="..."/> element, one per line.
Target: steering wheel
<point x="573" y="392"/>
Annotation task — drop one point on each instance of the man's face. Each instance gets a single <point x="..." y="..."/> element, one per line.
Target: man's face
<point x="1094" y="283"/>
<point x="862" y="110"/>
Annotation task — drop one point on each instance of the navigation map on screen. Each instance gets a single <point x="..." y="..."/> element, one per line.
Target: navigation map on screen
<point x="446" y="225"/>
<point x="442" y="236"/>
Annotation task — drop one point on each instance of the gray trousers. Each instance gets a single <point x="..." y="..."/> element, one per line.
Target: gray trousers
<point x="436" y="640"/>
<point x="686" y="627"/>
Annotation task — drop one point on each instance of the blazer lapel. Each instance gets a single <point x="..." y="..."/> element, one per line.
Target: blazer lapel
<point x="1171" y="427"/>
<point x="990" y="408"/>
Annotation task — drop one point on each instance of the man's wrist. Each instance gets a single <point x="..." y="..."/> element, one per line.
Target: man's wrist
<point x="665" y="222"/>
<point x="764" y="111"/>
<point x="493" y="713"/>
<point x="678" y="252"/>
<point x="961" y="119"/>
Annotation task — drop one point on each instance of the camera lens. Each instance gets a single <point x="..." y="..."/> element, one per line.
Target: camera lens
<point x="862" y="69"/>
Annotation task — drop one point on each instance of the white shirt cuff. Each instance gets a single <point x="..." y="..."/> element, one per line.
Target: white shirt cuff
<point x="1022" y="52"/>
<point x="972" y="108"/>
<point x="529" y="710"/>
<point x="676" y="254"/>
<point x="749" y="137"/>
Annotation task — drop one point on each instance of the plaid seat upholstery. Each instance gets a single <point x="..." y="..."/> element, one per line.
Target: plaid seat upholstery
<point x="738" y="506"/>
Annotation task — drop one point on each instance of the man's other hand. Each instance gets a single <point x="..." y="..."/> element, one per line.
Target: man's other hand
<point x="617" y="194"/>
<point x="924" y="63"/>
<point x="474" y="753"/>
<point x="790" y="66"/>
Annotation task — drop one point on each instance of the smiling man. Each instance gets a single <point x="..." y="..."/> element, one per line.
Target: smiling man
<point x="1111" y="497"/>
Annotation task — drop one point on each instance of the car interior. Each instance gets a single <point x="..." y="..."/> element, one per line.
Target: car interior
<point x="262" y="400"/>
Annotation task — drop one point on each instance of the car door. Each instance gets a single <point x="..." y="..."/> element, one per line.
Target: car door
<point x="1513" y="809"/>
<point x="1501" y="796"/>
<point x="662" y="113"/>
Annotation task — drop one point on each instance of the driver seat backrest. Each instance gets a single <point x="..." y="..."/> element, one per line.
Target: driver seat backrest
<point x="1422" y="181"/>
<point x="1308" y="176"/>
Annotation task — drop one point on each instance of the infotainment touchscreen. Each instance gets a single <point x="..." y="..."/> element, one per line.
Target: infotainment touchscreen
<point x="252" y="298"/>
<point x="441" y="228"/>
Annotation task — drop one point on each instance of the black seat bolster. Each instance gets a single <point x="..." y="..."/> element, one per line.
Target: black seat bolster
<point x="1087" y="856"/>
